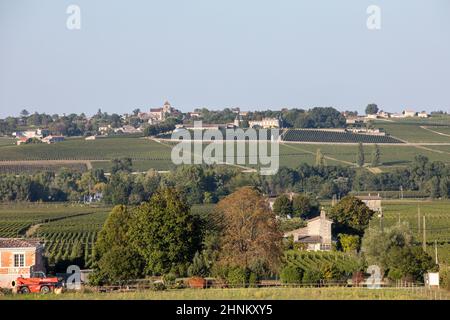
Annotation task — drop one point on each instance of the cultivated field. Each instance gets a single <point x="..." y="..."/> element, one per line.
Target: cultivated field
<point x="69" y="231"/>
<point x="428" y="137"/>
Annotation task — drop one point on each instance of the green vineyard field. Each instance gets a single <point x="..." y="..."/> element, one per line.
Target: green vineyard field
<point x="299" y="135"/>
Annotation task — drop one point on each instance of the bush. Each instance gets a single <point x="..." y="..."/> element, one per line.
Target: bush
<point x="158" y="286"/>
<point x="169" y="279"/>
<point x="311" y="277"/>
<point x="291" y="274"/>
<point x="237" y="277"/>
<point x="445" y="277"/>
<point x="253" y="280"/>
<point x="179" y="284"/>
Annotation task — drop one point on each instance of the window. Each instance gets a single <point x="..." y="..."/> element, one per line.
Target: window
<point x="19" y="260"/>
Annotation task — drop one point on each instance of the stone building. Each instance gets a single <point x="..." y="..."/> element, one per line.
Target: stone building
<point x="316" y="235"/>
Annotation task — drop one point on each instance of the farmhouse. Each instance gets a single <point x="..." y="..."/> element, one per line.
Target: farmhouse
<point x="422" y="114"/>
<point x="316" y="235"/>
<point x="409" y="113"/>
<point x="373" y="202"/>
<point x="23" y="140"/>
<point x="52" y="139"/>
<point x="19" y="257"/>
<point x="384" y="114"/>
<point x="127" y="129"/>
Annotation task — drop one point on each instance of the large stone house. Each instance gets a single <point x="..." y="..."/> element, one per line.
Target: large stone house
<point x="316" y="235"/>
<point x="19" y="257"/>
<point x="265" y="123"/>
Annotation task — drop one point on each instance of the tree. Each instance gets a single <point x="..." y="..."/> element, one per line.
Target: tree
<point x="24" y="113"/>
<point x="350" y="216"/>
<point x="320" y="158"/>
<point x="393" y="250"/>
<point x="376" y="156"/>
<point x="304" y="206"/>
<point x="123" y="164"/>
<point x="115" y="259"/>
<point x="349" y="243"/>
<point x="282" y="206"/>
<point x="250" y="234"/>
<point x="165" y="233"/>
<point x="372" y="109"/>
<point x="360" y="160"/>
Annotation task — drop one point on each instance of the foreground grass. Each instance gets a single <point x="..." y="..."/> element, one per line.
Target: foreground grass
<point x="252" y="294"/>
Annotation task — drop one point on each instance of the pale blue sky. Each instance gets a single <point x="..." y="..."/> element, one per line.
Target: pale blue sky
<point x="256" y="54"/>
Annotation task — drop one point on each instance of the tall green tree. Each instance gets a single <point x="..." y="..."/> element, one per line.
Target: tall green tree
<point x="371" y="108"/>
<point x="360" y="159"/>
<point x="116" y="260"/>
<point x="304" y="206"/>
<point x="394" y="251"/>
<point x="282" y="206"/>
<point x="165" y="233"/>
<point x="376" y="155"/>
<point x="350" y="216"/>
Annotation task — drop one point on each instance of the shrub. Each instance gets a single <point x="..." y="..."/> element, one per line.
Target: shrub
<point x="291" y="274"/>
<point x="169" y="279"/>
<point x="445" y="277"/>
<point x="158" y="286"/>
<point x="311" y="277"/>
<point x="253" y="280"/>
<point x="237" y="277"/>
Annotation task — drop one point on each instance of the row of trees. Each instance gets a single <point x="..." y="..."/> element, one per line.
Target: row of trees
<point x="209" y="184"/>
<point x="239" y="241"/>
<point x="291" y="118"/>
<point x="162" y="236"/>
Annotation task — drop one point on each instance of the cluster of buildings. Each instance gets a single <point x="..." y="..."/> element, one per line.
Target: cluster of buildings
<point x="156" y="115"/>
<point x="405" y="114"/>
<point x="42" y="135"/>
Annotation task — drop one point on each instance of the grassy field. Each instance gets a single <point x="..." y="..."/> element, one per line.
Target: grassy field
<point x="252" y="294"/>
<point x="412" y="131"/>
<point x="391" y="156"/>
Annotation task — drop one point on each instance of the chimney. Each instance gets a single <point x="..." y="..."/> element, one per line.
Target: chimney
<point x="322" y="214"/>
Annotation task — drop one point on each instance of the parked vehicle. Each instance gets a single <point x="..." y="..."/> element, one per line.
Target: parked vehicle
<point x="37" y="283"/>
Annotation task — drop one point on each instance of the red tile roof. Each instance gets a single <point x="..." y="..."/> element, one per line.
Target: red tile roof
<point x="19" y="243"/>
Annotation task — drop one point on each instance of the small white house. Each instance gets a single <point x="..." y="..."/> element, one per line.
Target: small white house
<point x="409" y="113"/>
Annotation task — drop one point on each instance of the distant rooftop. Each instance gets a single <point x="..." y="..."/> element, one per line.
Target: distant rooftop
<point x="19" y="243"/>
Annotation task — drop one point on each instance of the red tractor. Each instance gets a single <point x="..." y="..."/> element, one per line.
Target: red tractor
<point x="37" y="283"/>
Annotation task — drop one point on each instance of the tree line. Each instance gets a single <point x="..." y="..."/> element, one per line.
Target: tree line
<point x="209" y="184"/>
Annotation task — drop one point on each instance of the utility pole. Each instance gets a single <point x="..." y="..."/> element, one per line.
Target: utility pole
<point x="424" y="244"/>
<point x="435" y="251"/>
<point x="381" y="219"/>
<point x="418" y="220"/>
